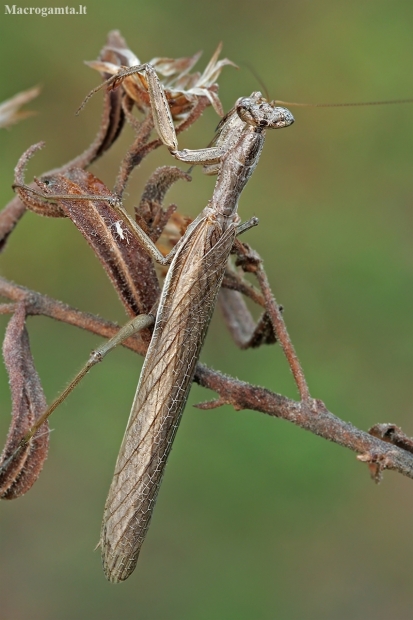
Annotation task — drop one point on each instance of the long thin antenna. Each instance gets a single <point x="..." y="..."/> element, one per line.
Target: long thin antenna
<point x="341" y="105"/>
<point x="258" y="78"/>
<point x="319" y="105"/>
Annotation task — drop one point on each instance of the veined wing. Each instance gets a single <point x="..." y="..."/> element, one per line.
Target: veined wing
<point x="186" y="307"/>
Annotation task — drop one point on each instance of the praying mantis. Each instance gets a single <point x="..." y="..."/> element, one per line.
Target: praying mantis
<point x="197" y="266"/>
<point x="187" y="302"/>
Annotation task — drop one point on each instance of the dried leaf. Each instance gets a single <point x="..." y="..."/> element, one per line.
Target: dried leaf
<point x="172" y="66"/>
<point x="113" y="118"/>
<point x="28" y="403"/>
<point x="125" y="261"/>
<point x="116" y="50"/>
<point x="186" y="82"/>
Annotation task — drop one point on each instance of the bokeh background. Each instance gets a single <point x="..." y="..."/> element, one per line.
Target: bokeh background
<point x="256" y="519"/>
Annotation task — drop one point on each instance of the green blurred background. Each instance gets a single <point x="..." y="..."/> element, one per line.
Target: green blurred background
<point x="256" y="519"/>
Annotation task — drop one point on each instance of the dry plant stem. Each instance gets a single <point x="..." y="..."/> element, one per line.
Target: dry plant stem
<point x="8" y="308"/>
<point x="127" y="107"/>
<point x="392" y="434"/>
<point x="37" y="304"/>
<point x="234" y="281"/>
<point x="282" y="334"/>
<point x="141" y="148"/>
<point x="128" y="163"/>
<point x="109" y="129"/>
<point x="312" y="416"/>
<point x="17" y="475"/>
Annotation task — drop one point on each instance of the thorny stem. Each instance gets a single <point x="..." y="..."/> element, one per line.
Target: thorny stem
<point x="311" y="415"/>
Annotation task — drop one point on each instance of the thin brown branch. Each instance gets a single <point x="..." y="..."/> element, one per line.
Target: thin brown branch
<point x="283" y="337"/>
<point x="233" y="281"/>
<point x="8" y="308"/>
<point x="392" y="434"/>
<point x="311" y="415"/>
<point x="38" y="304"/>
<point x="251" y="262"/>
<point x="130" y="161"/>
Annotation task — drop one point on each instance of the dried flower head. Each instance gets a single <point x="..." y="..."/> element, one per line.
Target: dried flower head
<point x="182" y="88"/>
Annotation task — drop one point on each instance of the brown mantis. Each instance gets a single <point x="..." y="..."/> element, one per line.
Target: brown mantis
<point x="197" y="266"/>
<point x="185" y="308"/>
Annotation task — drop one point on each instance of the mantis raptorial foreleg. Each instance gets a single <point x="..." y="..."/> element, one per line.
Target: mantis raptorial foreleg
<point x="162" y="116"/>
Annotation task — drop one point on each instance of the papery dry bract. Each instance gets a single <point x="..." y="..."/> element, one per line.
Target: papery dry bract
<point x="10" y="112"/>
